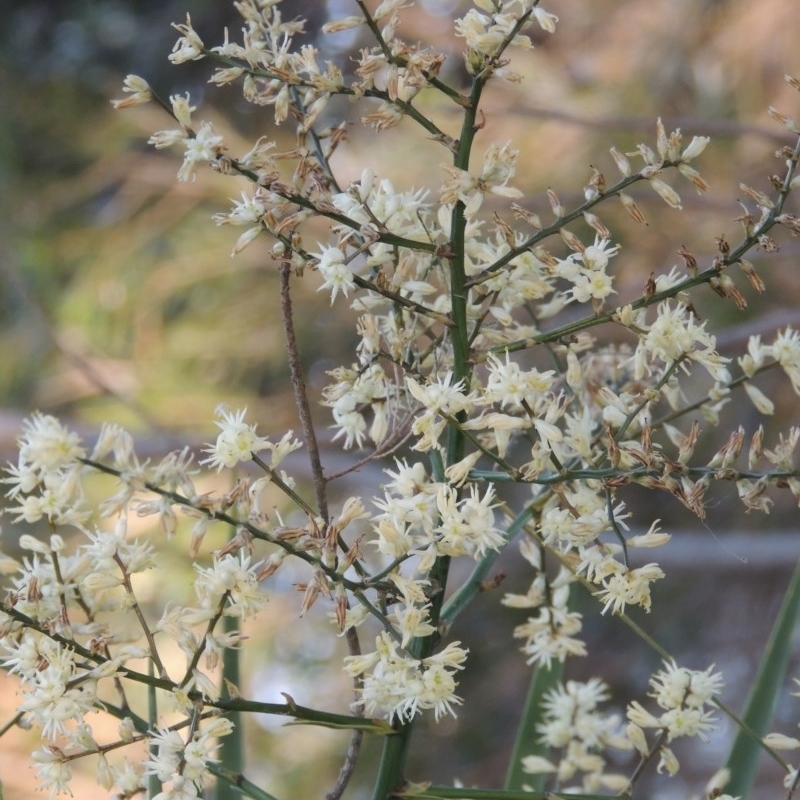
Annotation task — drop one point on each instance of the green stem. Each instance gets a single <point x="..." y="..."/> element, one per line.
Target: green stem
<point x="395" y="750"/>
<point x="153" y="783"/>
<point x="231" y="749"/>
<point x="526" y="741"/>
<point x="237" y="783"/>
<point x="392" y="763"/>
<point x="467" y="591"/>
<point x="460" y="793"/>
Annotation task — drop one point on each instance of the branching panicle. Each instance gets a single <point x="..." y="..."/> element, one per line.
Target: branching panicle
<point x="482" y="365"/>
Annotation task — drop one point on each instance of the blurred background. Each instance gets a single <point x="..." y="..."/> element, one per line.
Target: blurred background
<point x="120" y="302"/>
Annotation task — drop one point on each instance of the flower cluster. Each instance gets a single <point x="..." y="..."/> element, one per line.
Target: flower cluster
<point x="575" y="727"/>
<point x="238" y="442"/>
<point x="518" y="401"/>
<point x="46" y="479"/>
<point x="73" y="625"/>
<point x="399" y="686"/>
<point x="684" y="697"/>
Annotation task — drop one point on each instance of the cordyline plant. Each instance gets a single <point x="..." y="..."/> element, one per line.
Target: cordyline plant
<point x="455" y="307"/>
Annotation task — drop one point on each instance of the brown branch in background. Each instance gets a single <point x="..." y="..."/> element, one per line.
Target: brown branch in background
<point x="357" y="736"/>
<point x="318" y="477"/>
<point x="300" y="393"/>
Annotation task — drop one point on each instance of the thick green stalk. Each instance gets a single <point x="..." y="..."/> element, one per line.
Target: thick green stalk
<point x="395" y="749"/>
<point x="526" y="742"/>
<point x="231" y="749"/>
<point x="462" y="793"/>
<point x="393" y="759"/>
<point x="747" y="748"/>
<point x="153" y="783"/>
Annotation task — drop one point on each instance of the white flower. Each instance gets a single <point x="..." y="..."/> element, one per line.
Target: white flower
<point x="166" y="747"/>
<point x="467" y="527"/>
<point x="236" y="442"/>
<point x="629" y="586"/>
<point x="674" y="335"/>
<point x="695" y="147"/>
<point x="352" y="426"/>
<point x="337" y="275"/>
<point x="189" y="47"/>
<point x="551" y="635"/>
<point x="596" y="256"/>
<point x="139" y="91"/>
<point x="499" y="166"/>
<point x="232" y="579"/>
<point x="547" y="21"/>
<point x="509" y="385"/>
<point x="46" y="446"/>
<point x="592" y="286"/>
<point x="182" y="110"/>
<point x="441" y="395"/>
<point x="53" y="770"/>
<point x="399" y="686"/>
<point x="204" y="146"/>
<point x="786" y="351"/>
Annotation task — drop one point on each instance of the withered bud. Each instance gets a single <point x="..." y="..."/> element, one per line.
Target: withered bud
<point x="689" y="306"/>
<point x="529" y="217"/>
<point x="622" y="162"/>
<point x="788" y="122"/>
<point x="596" y="224"/>
<point x="691" y="174"/>
<point x="555" y="204"/>
<point x="756" y="448"/>
<point x="271" y="565"/>
<point x="547" y="258"/>
<point x="222" y="164"/>
<point x="716" y="285"/>
<point x="632" y="209"/>
<point x="730" y="451"/>
<point x="613" y="449"/>
<point x="789" y="220"/>
<point x="722" y="245"/>
<point x="662" y="143"/>
<point x="752" y="495"/>
<point x="752" y="276"/>
<point x="344" y="24"/>
<point x="505" y="230"/>
<point x="666" y="192"/>
<point x="768" y="244"/>
<point x="572" y="241"/>
<point x="732" y="290"/>
<point x="597" y="181"/>
<point x="688" y="259"/>
<point x="747" y="219"/>
<point x="687" y="445"/>
<point x="341" y="612"/>
<point x="760" y="198"/>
